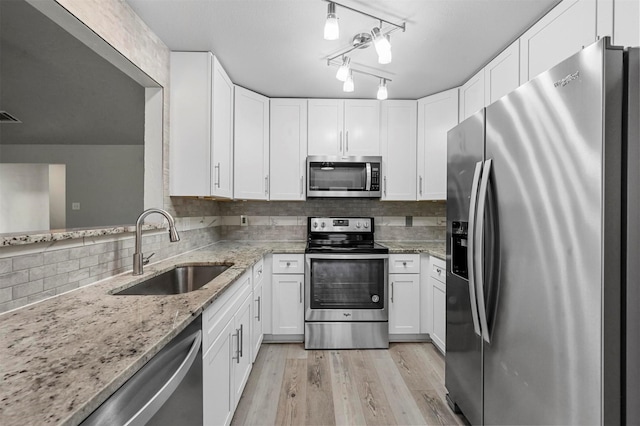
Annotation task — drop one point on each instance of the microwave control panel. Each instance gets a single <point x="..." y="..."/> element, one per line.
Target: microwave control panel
<point x="375" y="177"/>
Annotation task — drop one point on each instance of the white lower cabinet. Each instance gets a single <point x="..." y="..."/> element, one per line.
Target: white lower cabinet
<point x="404" y="294"/>
<point x="287" y="286"/>
<point x="227" y="351"/>
<point x="438" y="292"/>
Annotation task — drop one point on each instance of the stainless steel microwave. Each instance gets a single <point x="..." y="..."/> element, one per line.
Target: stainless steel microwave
<point x="347" y="177"/>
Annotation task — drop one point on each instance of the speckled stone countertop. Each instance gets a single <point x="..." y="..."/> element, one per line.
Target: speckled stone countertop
<point x="432" y="248"/>
<point x="62" y="357"/>
<point x="18" y="239"/>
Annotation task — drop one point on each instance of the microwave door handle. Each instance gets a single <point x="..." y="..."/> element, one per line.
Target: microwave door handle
<point x="368" y="185"/>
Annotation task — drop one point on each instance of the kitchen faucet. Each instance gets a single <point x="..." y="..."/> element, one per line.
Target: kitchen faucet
<point x="138" y="259"/>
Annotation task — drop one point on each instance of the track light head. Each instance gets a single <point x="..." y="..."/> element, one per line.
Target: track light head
<point x="331" y="27"/>
<point x="343" y="71"/>
<point x="382" y="44"/>
<point x="348" y="85"/>
<point x="382" y="90"/>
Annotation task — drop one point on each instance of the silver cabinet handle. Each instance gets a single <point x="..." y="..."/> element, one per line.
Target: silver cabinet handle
<point x="340" y="142"/>
<point x="258" y="316"/>
<point x="266" y="185"/>
<point x="301" y="185"/>
<point x="237" y="357"/>
<point x="385" y="186"/>
<point x="216" y="179"/>
<point x="241" y="340"/>
<point x="346" y="143"/>
<point x="471" y="248"/>
<point x="482" y="200"/>
<point x="420" y="186"/>
<point x="300" y="291"/>
<point x="391" y="291"/>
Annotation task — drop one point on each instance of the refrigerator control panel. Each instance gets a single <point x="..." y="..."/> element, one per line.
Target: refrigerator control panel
<point x="459" y="233"/>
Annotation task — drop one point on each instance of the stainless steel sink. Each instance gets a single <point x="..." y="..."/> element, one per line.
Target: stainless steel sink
<point x="181" y="279"/>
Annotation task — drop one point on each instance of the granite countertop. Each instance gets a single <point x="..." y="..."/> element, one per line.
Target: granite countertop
<point x="432" y="248"/>
<point x="62" y="357"/>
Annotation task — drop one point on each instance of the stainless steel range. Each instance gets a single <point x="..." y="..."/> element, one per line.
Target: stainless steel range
<point x="346" y="302"/>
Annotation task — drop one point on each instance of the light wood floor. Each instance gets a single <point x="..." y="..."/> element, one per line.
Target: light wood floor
<point x="403" y="385"/>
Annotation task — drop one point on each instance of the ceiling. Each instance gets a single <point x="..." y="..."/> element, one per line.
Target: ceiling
<point x="276" y="47"/>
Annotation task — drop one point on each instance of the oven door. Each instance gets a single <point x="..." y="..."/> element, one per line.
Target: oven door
<point x="346" y="287"/>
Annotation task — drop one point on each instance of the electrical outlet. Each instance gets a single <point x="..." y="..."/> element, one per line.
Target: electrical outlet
<point x="244" y="221"/>
<point x="75" y="206"/>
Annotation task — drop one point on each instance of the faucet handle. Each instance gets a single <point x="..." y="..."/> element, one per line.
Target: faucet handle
<point x="145" y="260"/>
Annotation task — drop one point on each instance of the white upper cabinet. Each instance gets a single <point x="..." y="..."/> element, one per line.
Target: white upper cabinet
<point x="472" y="96"/>
<point x="344" y="127"/>
<point x="437" y="114"/>
<point x="362" y="127"/>
<point x="565" y="30"/>
<point x="288" y="146"/>
<point x="502" y="75"/>
<point x="251" y="146"/>
<point x="398" y="143"/>
<point x="619" y="19"/>
<point x="201" y="112"/>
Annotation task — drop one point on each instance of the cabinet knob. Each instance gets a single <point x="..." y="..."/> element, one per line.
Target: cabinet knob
<point x="404" y="264"/>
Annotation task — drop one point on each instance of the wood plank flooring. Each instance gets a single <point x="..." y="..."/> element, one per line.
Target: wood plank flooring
<point x="403" y="385"/>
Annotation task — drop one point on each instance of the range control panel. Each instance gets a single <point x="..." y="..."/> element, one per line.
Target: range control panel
<point x="340" y="224"/>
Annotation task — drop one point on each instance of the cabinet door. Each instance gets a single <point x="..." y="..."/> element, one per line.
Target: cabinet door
<point x="439" y="297"/>
<point x="325" y="127"/>
<point x="222" y="133"/>
<point x="502" y="75"/>
<point x="361" y="127"/>
<point x="398" y="136"/>
<point x="472" y="96"/>
<point x="626" y="19"/>
<point x="218" y="403"/>
<point x="404" y="303"/>
<point x="288" y="149"/>
<point x="288" y="308"/>
<point x="256" y="321"/>
<point x="190" y="92"/>
<point x="565" y="30"/>
<point x="437" y="114"/>
<point x="241" y="358"/>
<point x="251" y="146"/>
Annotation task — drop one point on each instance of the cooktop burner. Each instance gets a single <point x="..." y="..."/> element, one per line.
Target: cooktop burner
<point x="342" y="235"/>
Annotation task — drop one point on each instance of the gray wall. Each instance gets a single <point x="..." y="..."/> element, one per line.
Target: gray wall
<point x="107" y="181"/>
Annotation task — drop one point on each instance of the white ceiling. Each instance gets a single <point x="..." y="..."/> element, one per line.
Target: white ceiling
<point x="276" y="47"/>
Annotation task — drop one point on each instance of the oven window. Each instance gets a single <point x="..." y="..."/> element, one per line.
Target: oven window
<point x="337" y="177"/>
<point x="347" y="284"/>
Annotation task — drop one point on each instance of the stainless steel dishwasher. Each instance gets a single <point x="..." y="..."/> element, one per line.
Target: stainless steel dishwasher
<point x="167" y="390"/>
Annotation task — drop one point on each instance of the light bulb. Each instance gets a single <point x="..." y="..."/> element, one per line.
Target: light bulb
<point x="382" y="45"/>
<point x="343" y="71"/>
<point x="348" y="85"/>
<point x="331" y="27"/>
<point x="382" y="90"/>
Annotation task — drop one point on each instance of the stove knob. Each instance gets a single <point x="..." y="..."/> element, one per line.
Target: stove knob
<point x="366" y="224"/>
<point x="315" y="225"/>
<point x="322" y="225"/>
<point x="358" y="225"/>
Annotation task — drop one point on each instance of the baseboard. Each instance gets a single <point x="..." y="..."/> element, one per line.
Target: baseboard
<point x="283" y="338"/>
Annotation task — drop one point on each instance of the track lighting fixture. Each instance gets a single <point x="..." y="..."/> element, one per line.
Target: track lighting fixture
<point x="348" y="85"/>
<point x="331" y="27"/>
<point x="343" y="71"/>
<point x="377" y="36"/>
<point x="382" y="44"/>
<point x="382" y="90"/>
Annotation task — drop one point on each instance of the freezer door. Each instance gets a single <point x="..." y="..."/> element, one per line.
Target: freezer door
<point x="463" y="371"/>
<point x="555" y="187"/>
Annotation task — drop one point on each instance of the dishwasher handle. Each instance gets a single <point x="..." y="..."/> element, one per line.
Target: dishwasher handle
<point x="156" y="401"/>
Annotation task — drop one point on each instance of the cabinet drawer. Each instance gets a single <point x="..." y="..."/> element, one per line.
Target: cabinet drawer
<point x="258" y="273"/>
<point x="438" y="269"/>
<point x="404" y="264"/>
<point x="216" y="316"/>
<point x="288" y="264"/>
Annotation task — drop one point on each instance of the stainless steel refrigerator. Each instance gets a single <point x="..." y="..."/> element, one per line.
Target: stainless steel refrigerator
<point x="540" y="199"/>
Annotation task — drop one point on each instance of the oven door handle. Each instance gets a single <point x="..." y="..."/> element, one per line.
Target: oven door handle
<point x="355" y="256"/>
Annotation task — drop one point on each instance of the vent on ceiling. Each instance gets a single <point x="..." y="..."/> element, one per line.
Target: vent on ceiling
<point x="5" y="117"/>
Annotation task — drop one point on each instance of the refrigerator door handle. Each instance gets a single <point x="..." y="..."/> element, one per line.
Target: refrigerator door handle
<point x="479" y="260"/>
<point x="470" y="249"/>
